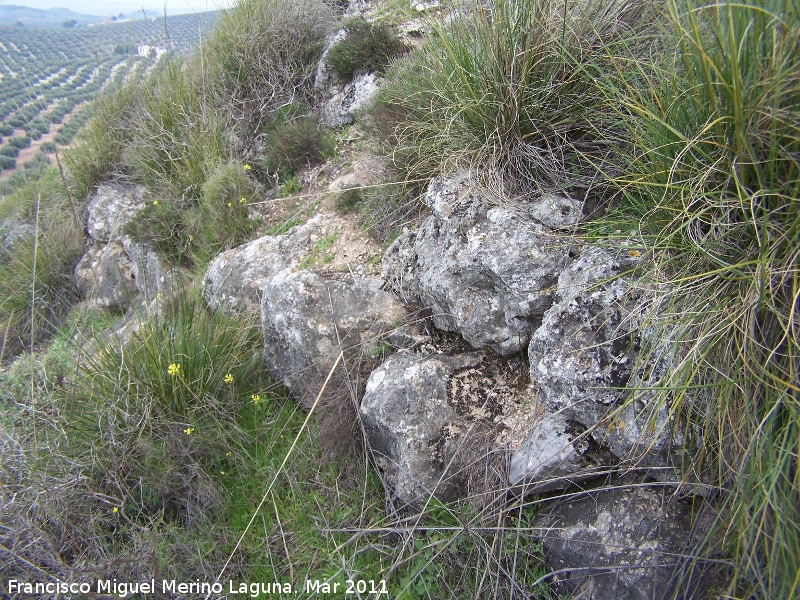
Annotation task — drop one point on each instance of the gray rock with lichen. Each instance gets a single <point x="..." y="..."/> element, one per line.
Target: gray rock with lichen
<point x="105" y="275"/>
<point x="111" y="207"/>
<point x="583" y="359"/>
<point x="623" y="543"/>
<point x="235" y="278"/>
<point x="307" y="319"/>
<point x="486" y="272"/>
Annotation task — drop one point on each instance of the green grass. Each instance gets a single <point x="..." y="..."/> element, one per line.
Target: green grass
<point x="711" y="182"/>
<point x="36" y="281"/>
<point x="510" y="89"/>
<point x="177" y="137"/>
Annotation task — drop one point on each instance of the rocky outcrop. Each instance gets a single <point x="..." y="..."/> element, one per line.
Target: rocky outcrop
<point x="583" y="358"/>
<point x="106" y="274"/>
<point x="235" y="279"/>
<point x="115" y="267"/>
<point x="422" y="412"/>
<point x="110" y="209"/>
<point x="308" y="319"/>
<point x="486" y="272"/>
<point x="341" y="100"/>
<point x="623" y="543"/>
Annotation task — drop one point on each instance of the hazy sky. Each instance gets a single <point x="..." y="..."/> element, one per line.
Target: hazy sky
<point x="114" y="7"/>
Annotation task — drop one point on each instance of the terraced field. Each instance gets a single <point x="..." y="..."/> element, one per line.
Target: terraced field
<point x="48" y="77"/>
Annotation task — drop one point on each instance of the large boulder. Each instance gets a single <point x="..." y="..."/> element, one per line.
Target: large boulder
<point x="622" y="542"/>
<point x="486" y="272"/>
<point x="308" y="319"/>
<point x="234" y="279"/>
<point x="583" y="358"/>
<point x="424" y="416"/>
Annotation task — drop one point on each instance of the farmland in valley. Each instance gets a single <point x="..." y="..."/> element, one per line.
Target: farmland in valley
<point x="49" y="76"/>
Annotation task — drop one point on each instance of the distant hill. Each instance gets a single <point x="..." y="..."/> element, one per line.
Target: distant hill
<point x="56" y="17"/>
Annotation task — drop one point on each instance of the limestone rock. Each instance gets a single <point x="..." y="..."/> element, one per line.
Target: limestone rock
<point x="308" y="319"/>
<point x="552" y="457"/>
<point x="624" y="543"/>
<point x="235" y="278"/>
<point x="556" y="211"/>
<point x="111" y="207"/>
<point x="105" y="275"/>
<point x="340" y="100"/>
<point x="411" y="425"/>
<point x="433" y="421"/>
<point x="153" y="275"/>
<point x="486" y="272"/>
<point x="582" y="358"/>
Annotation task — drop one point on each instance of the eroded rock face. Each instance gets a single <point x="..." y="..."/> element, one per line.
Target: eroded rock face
<point x="486" y="272"/>
<point x="627" y="541"/>
<point x="345" y="99"/>
<point x="340" y="100"/>
<point x="110" y="209"/>
<point x="235" y="278"/>
<point x="582" y="358"/>
<point x="115" y="267"/>
<point x="422" y="414"/>
<point x="105" y="274"/>
<point x="153" y="275"/>
<point x="552" y="457"/>
<point x="308" y="319"/>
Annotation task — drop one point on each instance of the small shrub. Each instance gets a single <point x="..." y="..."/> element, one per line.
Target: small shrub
<point x="161" y="223"/>
<point x="348" y="200"/>
<point x="366" y="46"/>
<point x="97" y="150"/>
<point x="292" y="145"/>
<point x="6" y="129"/>
<point x="511" y="89"/>
<point x="8" y="163"/>
<point x="19" y="142"/>
<point x="224" y="207"/>
<point x="263" y="55"/>
<point x="11" y="151"/>
<point x="36" y="275"/>
<point x="161" y="411"/>
<point x="176" y="136"/>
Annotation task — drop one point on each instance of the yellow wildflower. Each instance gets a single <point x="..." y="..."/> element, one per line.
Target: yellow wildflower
<point x="634" y="253"/>
<point x="227" y="454"/>
<point x="222" y="472"/>
<point x="155" y="202"/>
<point x="115" y="509"/>
<point x="230" y="204"/>
<point x="247" y="167"/>
<point x="188" y="430"/>
<point x="174" y="369"/>
<point x="228" y="378"/>
<point x="191" y="237"/>
<point x="256" y="398"/>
